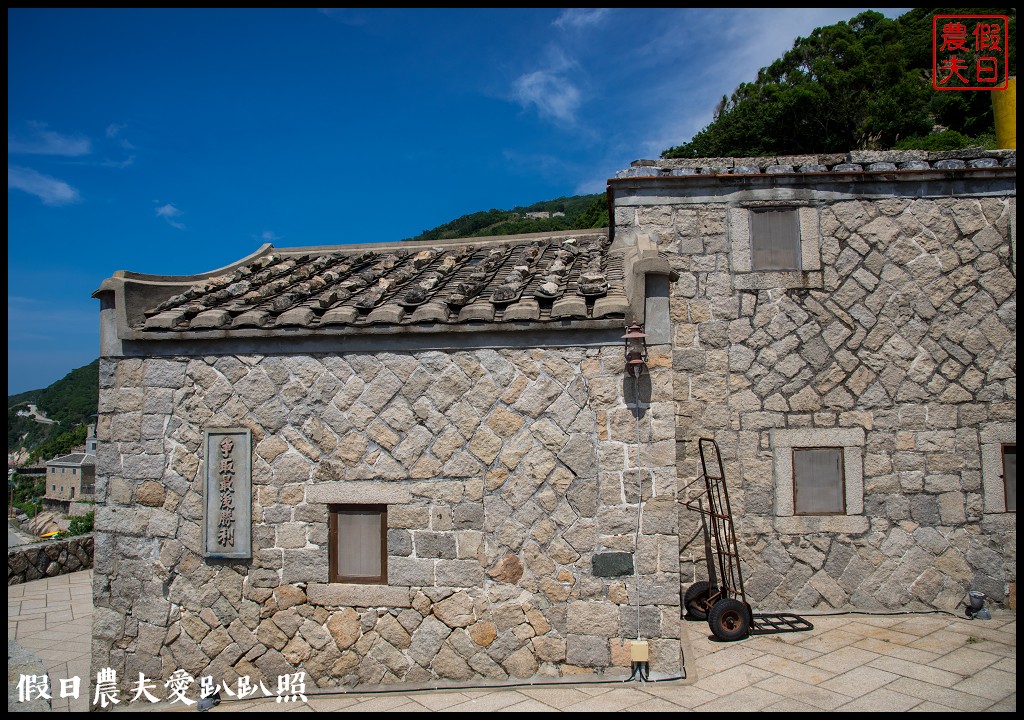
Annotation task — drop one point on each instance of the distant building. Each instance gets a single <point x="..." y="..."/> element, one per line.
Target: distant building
<point x="70" y="478"/>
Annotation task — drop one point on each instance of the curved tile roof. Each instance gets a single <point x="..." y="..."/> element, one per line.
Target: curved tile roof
<point x="532" y="279"/>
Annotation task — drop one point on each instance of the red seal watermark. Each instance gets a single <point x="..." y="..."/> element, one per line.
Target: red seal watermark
<point x="970" y="52"/>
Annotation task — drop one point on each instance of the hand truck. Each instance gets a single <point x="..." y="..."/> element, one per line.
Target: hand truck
<point x="721" y="599"/>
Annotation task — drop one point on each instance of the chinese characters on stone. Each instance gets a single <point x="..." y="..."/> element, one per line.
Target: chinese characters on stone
<point x="226" y="487"/>
<point x="227" y="493"/>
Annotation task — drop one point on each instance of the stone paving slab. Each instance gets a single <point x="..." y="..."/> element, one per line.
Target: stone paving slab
<point x="917" y="663"/>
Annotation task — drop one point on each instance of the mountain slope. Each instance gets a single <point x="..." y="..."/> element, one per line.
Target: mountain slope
<point x="579" y="212"/>
<point x="69" y="402"/>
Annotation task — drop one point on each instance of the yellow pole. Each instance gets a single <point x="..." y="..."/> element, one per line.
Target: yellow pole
<point x="1004" y="107"/>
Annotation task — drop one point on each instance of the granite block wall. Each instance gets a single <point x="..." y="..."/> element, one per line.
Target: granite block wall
<point x="504" y="471"/>
<point x="901" y="328"/>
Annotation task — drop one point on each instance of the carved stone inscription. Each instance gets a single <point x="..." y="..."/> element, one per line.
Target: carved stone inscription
<point x="228" y="494"/>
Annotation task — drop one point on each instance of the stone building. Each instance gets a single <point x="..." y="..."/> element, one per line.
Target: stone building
<point x="458" y="411"/>
<point x="70" y="478"/>
<point x="403" y="463"/>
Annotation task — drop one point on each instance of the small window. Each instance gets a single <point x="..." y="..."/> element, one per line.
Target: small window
<point x="775" y="240"/>
<point x="358" y="545"/>
<point x="54" y="487"/>
<point x="819" y="486"/>
<point x="72" y="493"/>
<point x="1010" y="476"/>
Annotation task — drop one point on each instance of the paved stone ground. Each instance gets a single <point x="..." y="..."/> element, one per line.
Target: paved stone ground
<point x="52" y="619"/>
<point x="848" y="662"/>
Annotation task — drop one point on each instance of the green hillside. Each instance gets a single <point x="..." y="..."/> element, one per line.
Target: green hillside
<point x="581" y="212"/>
<point x="71" y="401"/>
<point x="859" y="84"/>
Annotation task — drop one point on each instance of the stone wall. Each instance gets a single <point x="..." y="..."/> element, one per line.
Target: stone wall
<point x="504" y="473"/>
<point x="902" y="340"/>
<point x="42" y="560"/>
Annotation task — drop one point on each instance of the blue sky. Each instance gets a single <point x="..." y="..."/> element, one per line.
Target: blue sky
<point x="178" y="141"/>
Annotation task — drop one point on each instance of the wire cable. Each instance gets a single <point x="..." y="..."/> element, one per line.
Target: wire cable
<point x="639" y="502"/>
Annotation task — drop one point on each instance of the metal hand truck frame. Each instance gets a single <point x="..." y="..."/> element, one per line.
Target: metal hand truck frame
<point x="721" y="599"/>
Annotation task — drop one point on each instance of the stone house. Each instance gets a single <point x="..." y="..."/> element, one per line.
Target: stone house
<point x="70" y="478"/>
<point x="411" y="462"/>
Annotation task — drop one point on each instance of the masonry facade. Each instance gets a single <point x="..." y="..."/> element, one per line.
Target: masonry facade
<point x="892" y="340"/>
<point x="70" y="478"/>
<point x="504" y="466"/>
<point x="471" y="398"/>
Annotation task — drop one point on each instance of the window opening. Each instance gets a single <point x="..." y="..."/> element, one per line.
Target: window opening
<point x="775" y="240"/>
<point x="358" y="538"/>
<point x="819" y="484"/>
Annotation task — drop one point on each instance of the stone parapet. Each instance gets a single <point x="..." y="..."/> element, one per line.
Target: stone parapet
<point x="855" y="161"/>
<point x="49" y="559"/>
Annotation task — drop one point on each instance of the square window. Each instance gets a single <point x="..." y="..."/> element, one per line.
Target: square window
<point x="775" y="240"/>
<point x="819" y="486"/>
<point x="1010" y="476"/>
<point x="358" y="544"/>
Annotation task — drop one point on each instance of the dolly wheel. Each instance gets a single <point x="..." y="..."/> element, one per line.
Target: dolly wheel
<point x="696" y="601"/>
<point x="729" y="619"/>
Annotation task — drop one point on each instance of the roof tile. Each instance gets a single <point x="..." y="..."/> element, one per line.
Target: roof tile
<point x="516" y="279"/>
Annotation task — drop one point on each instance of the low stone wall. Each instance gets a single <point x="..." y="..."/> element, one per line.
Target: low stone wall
<point x="41" y="560"/>
<point x="856" y="161"/>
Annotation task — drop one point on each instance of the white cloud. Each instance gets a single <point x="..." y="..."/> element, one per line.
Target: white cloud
<point x="50" y="190"/>
<point x="168" y="212"/>
<point x="558" y="84"/>
<point x="118" y="164"/>
<point x="269" y="236"/>
<point x="113" y="132"/>
<point x="577" y="18"/>
<point x="550" y="93"/>
<point x="43" y="141"/>
<point x="691" y="71"/>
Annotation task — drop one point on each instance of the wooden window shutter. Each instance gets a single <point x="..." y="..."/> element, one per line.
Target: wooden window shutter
<point x="358" y="543"/>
